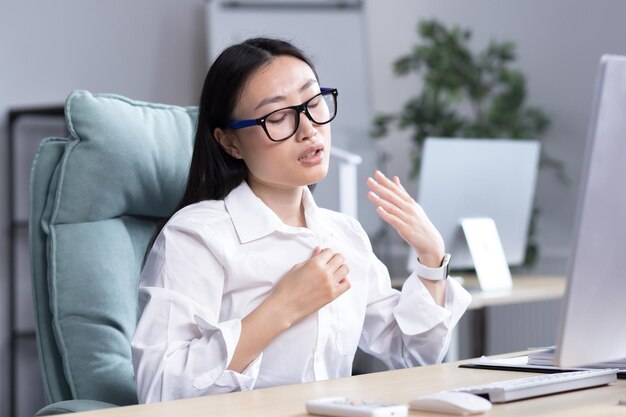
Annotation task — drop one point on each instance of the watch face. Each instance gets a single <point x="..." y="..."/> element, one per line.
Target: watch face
<point x="446" y="265"/>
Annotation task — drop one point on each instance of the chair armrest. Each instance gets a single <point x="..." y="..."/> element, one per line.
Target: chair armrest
<point x="72" y="406"/>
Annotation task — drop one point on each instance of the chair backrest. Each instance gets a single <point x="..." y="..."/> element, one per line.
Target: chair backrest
<point x="96" y="199"/>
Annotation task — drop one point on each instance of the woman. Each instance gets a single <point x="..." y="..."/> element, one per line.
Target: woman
<point x="250" y="284"/>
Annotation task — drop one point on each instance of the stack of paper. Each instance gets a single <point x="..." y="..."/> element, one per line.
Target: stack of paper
<point x="545" y="357"/>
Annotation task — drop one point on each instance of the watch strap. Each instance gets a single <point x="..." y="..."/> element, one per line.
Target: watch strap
<point x="434" y="274"/>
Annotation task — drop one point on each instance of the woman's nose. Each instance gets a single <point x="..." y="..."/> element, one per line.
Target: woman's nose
<point x="306" y="129"/>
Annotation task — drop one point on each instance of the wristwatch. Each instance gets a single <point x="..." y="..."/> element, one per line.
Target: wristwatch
<point x="434" y="274"/>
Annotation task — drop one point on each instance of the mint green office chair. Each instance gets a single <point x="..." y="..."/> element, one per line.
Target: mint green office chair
<point x="96" y="199"/>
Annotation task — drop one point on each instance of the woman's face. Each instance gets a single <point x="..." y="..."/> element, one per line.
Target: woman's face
<point x="299" y="160"/>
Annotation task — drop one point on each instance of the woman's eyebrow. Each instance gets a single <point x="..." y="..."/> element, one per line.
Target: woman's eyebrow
<point x="275" y="99"/>
<point x="269" y="100"/>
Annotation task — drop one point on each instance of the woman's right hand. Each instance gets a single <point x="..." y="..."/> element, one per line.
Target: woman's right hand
<point x="306" y="288"/>
<point x="312" y="284"/>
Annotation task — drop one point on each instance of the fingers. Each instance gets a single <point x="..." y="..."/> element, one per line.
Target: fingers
<point x="339" y="272"/>
<point x="394" y="185"/>
<point x="334" y="264"/>
<point x="395" y="221"/>
<point x="394" y="200"/>
<point x="322" y="255"/>
<point x="387" y="206"/>
<point x="385" y="192"/>
<point x="342" y="286"/>
<point x="383" y="186"/>
<point x="391" y="198"/>
<point x="396" y="181"/>
<point x="314" y="283"/>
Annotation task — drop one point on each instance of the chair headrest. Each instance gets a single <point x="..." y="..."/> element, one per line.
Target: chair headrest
<point x="134" y="157"/>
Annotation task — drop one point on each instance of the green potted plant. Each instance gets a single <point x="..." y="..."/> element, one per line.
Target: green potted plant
<point x="466" y="94"/>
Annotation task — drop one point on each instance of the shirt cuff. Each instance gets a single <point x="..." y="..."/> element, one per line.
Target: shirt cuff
<point x="417" y="312"/>
<point x="221" y="342"/>
<point x="457" y="300"/>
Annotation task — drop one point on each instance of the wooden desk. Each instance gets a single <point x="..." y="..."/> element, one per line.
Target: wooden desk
<point x="393" y="386"/>
<point x="526" y="288"/>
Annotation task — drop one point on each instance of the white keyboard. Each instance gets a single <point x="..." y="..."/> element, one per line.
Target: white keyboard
<point x="534" y="386"/>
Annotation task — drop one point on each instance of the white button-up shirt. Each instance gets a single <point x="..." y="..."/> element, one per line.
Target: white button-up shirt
<point x="215" y="261"/>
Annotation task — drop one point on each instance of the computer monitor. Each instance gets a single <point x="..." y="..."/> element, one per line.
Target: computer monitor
<point x="593" y="316"/>
<point x="469" y="178"/>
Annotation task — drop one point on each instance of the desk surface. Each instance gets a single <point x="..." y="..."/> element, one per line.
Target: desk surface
<point x="525" y="289"/>
<point x="393" y="386"/>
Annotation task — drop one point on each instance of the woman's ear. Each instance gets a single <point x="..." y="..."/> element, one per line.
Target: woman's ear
<point x="228" y="142"/>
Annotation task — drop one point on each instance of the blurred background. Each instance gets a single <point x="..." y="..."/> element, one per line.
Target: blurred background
<point x="160" y="50"/>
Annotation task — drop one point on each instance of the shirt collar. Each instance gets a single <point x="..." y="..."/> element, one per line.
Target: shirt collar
<point x="315" y="218"/>
<point x="253" y="219"/>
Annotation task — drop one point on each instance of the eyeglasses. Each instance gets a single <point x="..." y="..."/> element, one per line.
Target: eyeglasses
<point x="283" y="123"/>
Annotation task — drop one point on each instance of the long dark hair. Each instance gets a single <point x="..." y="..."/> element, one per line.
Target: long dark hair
<point x="213" y="172"/>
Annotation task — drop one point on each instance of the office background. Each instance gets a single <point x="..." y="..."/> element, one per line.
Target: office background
<point x="155" y="50"/>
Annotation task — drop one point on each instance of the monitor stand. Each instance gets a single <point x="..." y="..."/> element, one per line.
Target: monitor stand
<point x="487" y="253"/>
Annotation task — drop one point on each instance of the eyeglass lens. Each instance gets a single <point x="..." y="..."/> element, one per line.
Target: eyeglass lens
<point x="283" y="123"/>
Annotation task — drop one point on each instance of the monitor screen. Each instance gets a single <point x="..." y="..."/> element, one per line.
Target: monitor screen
<point x="468" y="178"/>
<point x="593" y="317"/>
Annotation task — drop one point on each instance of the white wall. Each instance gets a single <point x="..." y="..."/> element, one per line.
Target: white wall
<point x="559" y="46"/>
<point x="146" y="49"/>
<point x="154" y="50"/>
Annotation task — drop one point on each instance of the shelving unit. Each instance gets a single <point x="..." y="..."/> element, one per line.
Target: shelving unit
<point x="23" y="348"/>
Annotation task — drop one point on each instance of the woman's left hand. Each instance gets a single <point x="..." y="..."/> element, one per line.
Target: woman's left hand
<point x="395" y="206"/>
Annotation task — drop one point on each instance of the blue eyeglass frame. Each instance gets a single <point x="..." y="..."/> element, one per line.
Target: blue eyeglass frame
<point x="301" y="108"/>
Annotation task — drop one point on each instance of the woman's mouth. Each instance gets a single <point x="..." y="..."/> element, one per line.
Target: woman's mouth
<point x="312" y="156"/>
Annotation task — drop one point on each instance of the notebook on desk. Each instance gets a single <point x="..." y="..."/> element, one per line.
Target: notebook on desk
<point x="545" y="357"/>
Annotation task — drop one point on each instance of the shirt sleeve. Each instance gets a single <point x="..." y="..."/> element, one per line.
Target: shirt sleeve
<point x="180" y="349"/>
<point x="406" y="329"/>
<point x="427" y="327"/>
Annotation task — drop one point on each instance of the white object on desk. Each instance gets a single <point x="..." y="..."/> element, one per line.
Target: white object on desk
<point x="490" y="262"/>
<point x="536" y="386"/>
<point x="346" y="407"/>
<point x="449" y="402"/>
